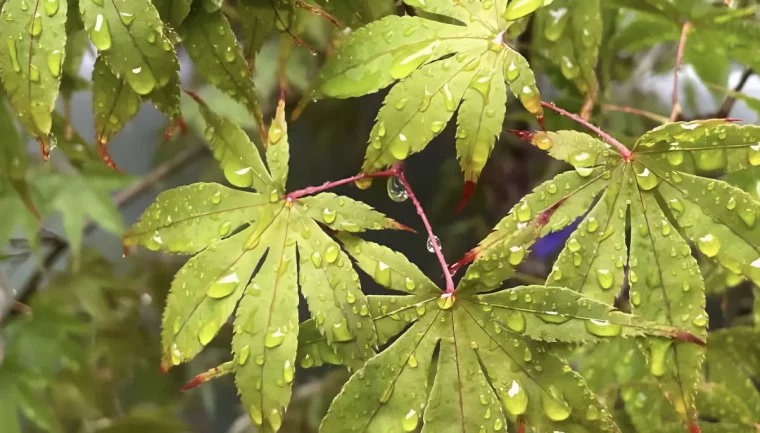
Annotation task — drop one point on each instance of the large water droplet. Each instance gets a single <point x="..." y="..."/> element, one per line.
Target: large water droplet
<point x="556" y="25"/>
<point x="14" y="54"/>
<point x="515" y="398"/>
<point x="554" y="405"/>
<point x="100" y="35"/>
<point x="410" y="420"/>
<point x="658" y="351"/>
<point x="516" y="321"/>
<point x="224" y="286"/>
<point x="410" y="58"/>
<point x="141" y="80"/>
<point x="516" y="255"/>
<point x="569" y="68"/>
<point x="396" y="190"/>
<point x="341" y="332"/>
<point x="256" y="416"/>
<point x="645" y="178"/>
<point x="748" y="215"/>
<point x="554" y="317"/>
<point x="35" y="25"/>
<point x="288" y="371"/>
<point x="709" y="245"/>
<point x="605" y="278"/>
<point x="603" y="328"/>
<point x="331" y="253"/>
<point x="243" y="355"/>
<point x="51" y="7"/>
<point x="316" y="259"/>
<point x="274" y="338"/>
<point x="329" y="215"/>
<point x="429" y="244"/>
<point x="754" y="154"/>
<point x="542" y="141"/>
<point x="383" y="274"/>
<point x="208" y="331"/>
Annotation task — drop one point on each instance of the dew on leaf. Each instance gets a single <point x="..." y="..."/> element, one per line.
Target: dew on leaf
<point x="35" y="25"/>
<point x="329" y="215"/>
<point x="556" y="26"/>
<point x="51" y="7"/>
<point x="100" y="35"/>
<point x="516" y="255"/>
<point x="516" y="321"/>
<point x="275" y="420"/>
<point x="399" y="147"/>
<point x="554" y="405"/>
<point x="410" y="421"/>
<point x="331" y="253"/>
<point x="523" y="212"/>
<point x="709" y="245"/>
<point x="410" y="58"/>
<point x="14" y="54"/>
<point x="341" y="332"/>
<point x="605" y="278"/>
<point x="754" y="154"/>
<point x="207" y="333"/>
<point x="748" y="215"/>
<point x="274" y="338"/>
<point x="512" y="72"/>
<point x="553" y="317"/>
<point x="515" y="398"/>
<point x="224" y="286"/>
<point x="316" y="259"/>
<point x="243" y="355"/>
<point x="383" y="274"/>
<point x="602" y="328"/>
<point x="288" y="371"/>
<point x="646" y="179"/>
<point x="658" y="351"/>
<point x="409" y="283"/>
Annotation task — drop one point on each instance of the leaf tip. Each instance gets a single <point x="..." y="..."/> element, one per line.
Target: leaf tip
<point x="694" y="427"/>
<point x="688" y="337"/>
<point x="395" y="225"/>
<point x="467" y="191"/>
<point x="164" y="366"/>
<point x="197" y="380"/>
<point x="468" y="258"/>
<point x="521" y="134"/>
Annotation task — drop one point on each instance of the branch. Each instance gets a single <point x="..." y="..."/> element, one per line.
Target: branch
<point x="728" y="104"/>
<point x="329" y="185"/>
<point x="649" y="115"/>
<point x="676" y="70"/>
<point x="431" y="235"/>
<point x="318" y="12"/>
<point x="624" y="151"/>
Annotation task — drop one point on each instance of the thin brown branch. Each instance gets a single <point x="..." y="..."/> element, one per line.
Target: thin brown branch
<point x="643" y="113"/>
<point x="318" y="12"/>
<point x="728" y="103"/>
<point x="676" y="111"/>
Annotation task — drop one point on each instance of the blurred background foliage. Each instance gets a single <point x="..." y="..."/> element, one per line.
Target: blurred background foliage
<point x="79" y="343"/>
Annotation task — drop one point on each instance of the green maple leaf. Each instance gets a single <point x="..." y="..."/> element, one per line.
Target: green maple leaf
<point x="217" y="56"/>
<point x="173" y="12"/>
<point x="569" y="33"/>
<point x="114" y="103"/>
<point x="133" y="42"/>
<point x="470" y="362"/>
<point x="33" y="52"/>
<point x="442" y="68"/>
<point x="245" y="245"/>
<point x="659" y="196"/>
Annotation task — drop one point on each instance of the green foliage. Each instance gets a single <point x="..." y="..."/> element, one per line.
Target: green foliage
<point x="610" y="336"/>
<point x="476" y="65"/>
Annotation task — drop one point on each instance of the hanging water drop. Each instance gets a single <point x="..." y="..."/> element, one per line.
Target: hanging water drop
<point x="430" y="246"/>
<point x="396" y="190"/>
<point x="709" y="245"/>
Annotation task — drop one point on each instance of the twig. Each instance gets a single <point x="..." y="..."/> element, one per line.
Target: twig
<point x="728" y="104"/>
<point x="624" y="151"/>
<point x="329" y="185"/>
<point x="676" y="70"/>
<point x="318" y="12"/>
<point x="428" y="228"/>
<point x="649" y="115"/>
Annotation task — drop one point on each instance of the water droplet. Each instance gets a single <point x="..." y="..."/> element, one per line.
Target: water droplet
<point x="51" y="7"/>
<point x="592" y="225"/>
<point x="35" y="25"/>
<point x="243" y="355"/>
<point x="224" y="286"/>
<point x="553" y="317"/>
<point x="399" y="147"/>
<point x="383" y="274"/>
<point x="401" y="103"/>
<point x="409" y="283"/>
<point x="569" y="68"/>
<point x="288" y="371"/>
<point x="603" y="328"/>
<point x="437" y="126"/>
<point x="516" y="255"/>
<point x="645" y="178"/>
<point x="700" y="320"/>
<point x="709" y="245"/>
<point x="396" y="190"/>
<point x="515" y="398"/>
<point x="605" y="278"/>
<point x="14" y="54"/>
<point x="256" y="416"/>
<point x="429" y="244"/>
<point x="748" y="215"/>
<point x="141" y="80"/>
<point x="410" y="58"/>
<point x="341" y="332"/>
<point x="523" y="212"/>
<point x="274" y="338"/>
<point x="675" y="157"/>
<point x="34" y="74"/>
<point x="573" y="245"/>
<point x="635" y="296"/>
<point x="446" y="301"/>
<point x="100" y="35"/>
<point x="554" y="405"/>
<point x="516" y="321"/>
<point x="542" y="141"/>
<point x="555" y="26"/>
<point x="754" y="154"/>
<point x="410" y="421"/>
<point x="329" y="215"/>
<point x="275" y="134"/>
<point x="386" y="395"/>
<point x="512" y="71"/>
<point x="331" y="253"/>
<point x="208" y="331"/>
<point x="316" y="259"/>
<point x="275" y="420"/>
<point x="658" y="351"/>
<point x="126" y="18"/>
